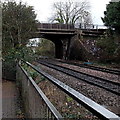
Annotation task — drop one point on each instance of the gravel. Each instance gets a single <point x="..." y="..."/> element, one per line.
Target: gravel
<point x="112" y="77"/>
<point x="99" y="95"/>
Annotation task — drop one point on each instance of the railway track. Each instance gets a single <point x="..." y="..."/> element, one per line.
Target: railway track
<point x="89" y="104"/>
<point x="107" y="70"/>
<point x="108" y="85"/>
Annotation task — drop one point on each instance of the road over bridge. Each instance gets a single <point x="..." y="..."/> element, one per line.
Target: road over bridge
<point x="62" y="35"/>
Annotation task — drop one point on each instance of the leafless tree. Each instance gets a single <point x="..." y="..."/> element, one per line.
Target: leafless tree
<point x="71" y="12"/>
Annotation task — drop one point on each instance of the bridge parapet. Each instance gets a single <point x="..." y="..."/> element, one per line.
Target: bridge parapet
<point x="70" y="26"/>
<point x="89" y="26"/>
<point x="55" y="26"/>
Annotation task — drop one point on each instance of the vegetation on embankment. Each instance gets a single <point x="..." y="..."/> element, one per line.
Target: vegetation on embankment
<point x="110" y="43"/>
<point x="109" y="48"/>
<point x="45" y="48"/>
<point x="19" y="20"/>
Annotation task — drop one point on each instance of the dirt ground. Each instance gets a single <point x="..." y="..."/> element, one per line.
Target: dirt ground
<point x="11" y="107"/>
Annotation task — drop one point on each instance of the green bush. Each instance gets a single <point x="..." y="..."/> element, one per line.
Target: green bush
<point x="109" y="49"/>
<point x="11" y="58"/>
<point x="16" y="31"/>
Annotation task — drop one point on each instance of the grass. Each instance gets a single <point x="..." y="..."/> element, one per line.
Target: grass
<point x="34" y="74"/>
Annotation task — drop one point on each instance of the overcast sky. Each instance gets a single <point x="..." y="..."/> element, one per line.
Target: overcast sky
<point x="44" y="9"/>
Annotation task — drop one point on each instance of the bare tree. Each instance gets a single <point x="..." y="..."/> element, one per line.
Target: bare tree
<point x="71" y="12"/>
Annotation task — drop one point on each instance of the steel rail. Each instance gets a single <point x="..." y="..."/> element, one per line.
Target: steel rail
<point x="107" y="70"/>
<point x="53" y="110"/>
<point x="111" y="86"/>
<point x="109" y="81"/>
<point x="89" y="104"/>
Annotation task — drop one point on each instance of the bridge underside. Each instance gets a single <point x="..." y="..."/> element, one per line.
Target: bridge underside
<point x="61" y="39"/>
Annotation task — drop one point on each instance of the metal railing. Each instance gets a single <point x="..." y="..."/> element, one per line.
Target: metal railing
<point x="55" y="26"/>
<point x="89" y="26"/>
<point x="36" y="103"/>
<point x="70" y="26"/>
<point x="89" y="104"/>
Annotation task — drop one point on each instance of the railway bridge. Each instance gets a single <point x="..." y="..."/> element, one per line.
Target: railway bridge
<point x="63" y="34"/>
<point x="37" y="105"/>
